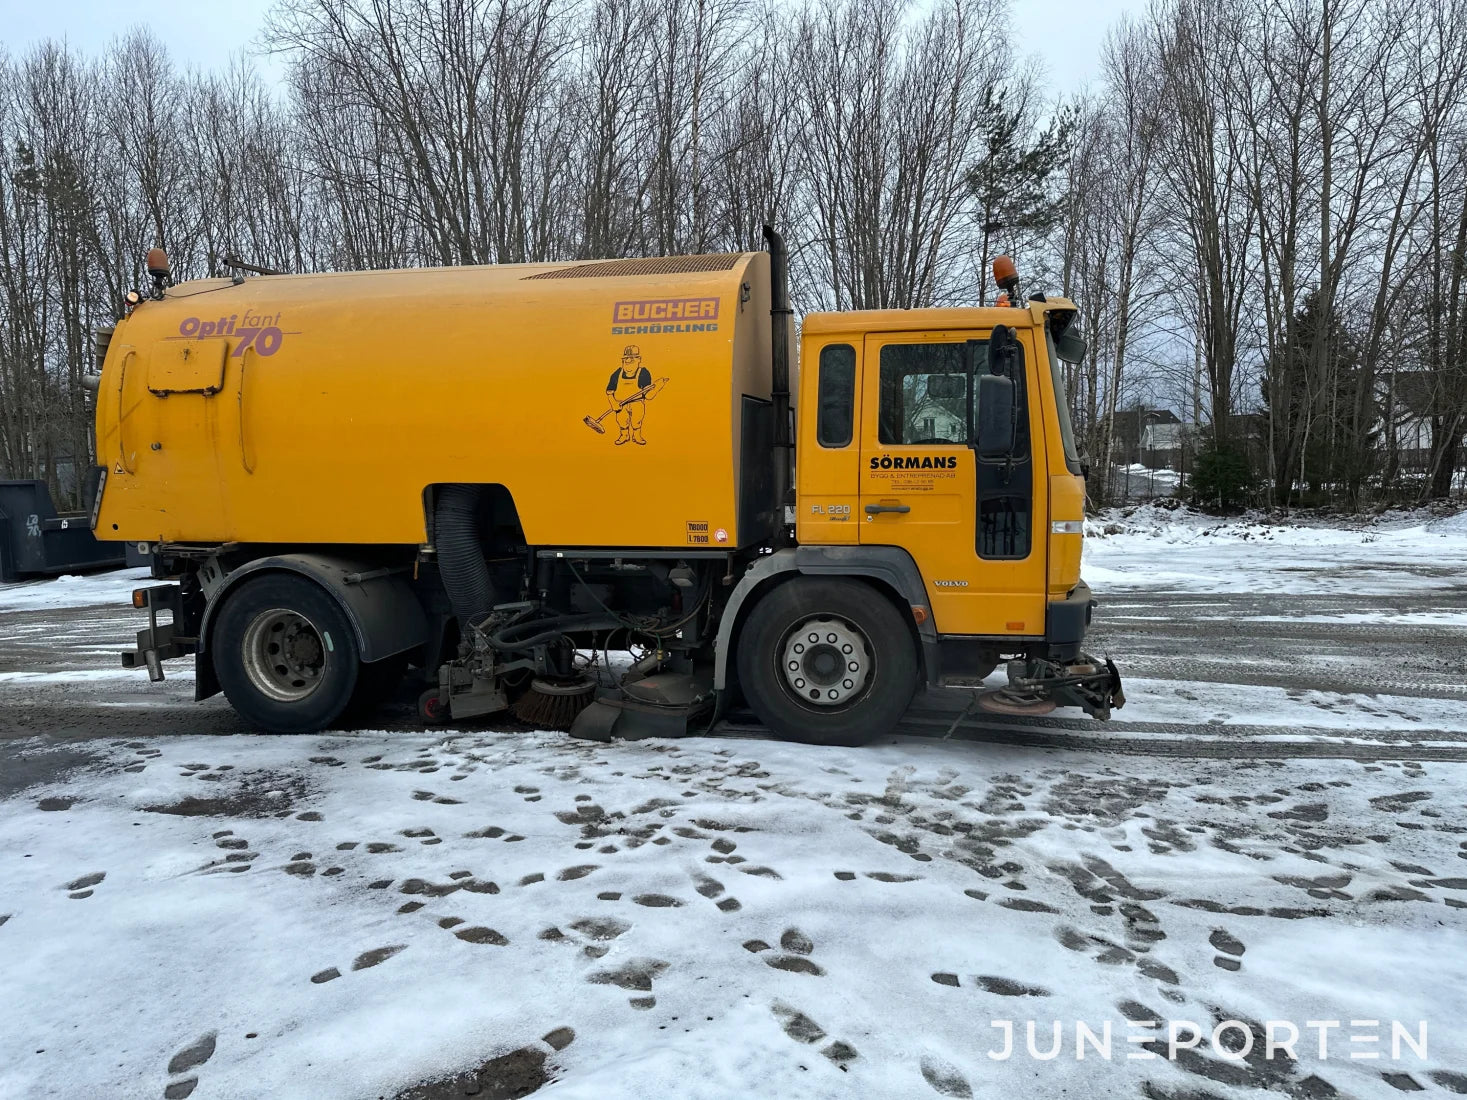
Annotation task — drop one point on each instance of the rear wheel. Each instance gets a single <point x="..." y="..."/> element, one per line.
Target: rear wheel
<point x="285" y="654"/>
<point x="827" y="661"/>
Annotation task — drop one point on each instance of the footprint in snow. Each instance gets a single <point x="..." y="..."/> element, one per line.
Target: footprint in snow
<point x="1007" y="987"/>
<point x="493" y="832"/>
<point x="481" y="935"/>
<point x="365" y="961"/>
<point x="760" y="872"/>
<point x="945" y="1078"/>
<point x="798" y="945"/>
<point x="82" y="887"/>
<point x="1109" y="953"/>
<point x="518" y="1073"/>
<point x="458" y="880"/>
<point x="599" y="930"/>
<point x="636" y="975"/>
<point x="430" y="796"/>
<point x="1143" y="927"/>
<point x="1453" y="1082"/>
<point x="712" y="889"/>
<point x="300" y="864"/>
<point x="657" y="901"/>
<point x="237" y="856"/>
<point x="1102" y="950"/>
<point x="189" y="1058"/>
<point x="1230" y="947"/>
<point x="376" y="956"/>
<point x="802" y="1029"/>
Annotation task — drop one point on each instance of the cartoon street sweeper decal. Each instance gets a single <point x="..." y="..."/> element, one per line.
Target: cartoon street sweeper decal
<point x="628" y="390"/>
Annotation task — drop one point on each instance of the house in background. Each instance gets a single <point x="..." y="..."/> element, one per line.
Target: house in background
<point x="1406" y="400"/>
<point x="930" y="420"/>
<point x="1154" y="438"/>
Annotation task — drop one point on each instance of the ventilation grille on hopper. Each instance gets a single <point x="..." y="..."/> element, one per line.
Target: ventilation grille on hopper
<point x="657" y="265"/>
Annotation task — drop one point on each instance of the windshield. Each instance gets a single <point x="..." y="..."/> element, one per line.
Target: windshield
<point x="1062" y="404"/>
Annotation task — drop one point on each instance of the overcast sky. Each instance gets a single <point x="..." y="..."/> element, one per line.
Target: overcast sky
<point x="1064" y="34"/>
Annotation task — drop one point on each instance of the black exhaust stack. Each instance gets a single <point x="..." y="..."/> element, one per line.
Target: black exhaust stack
<point x="779" y="331"/>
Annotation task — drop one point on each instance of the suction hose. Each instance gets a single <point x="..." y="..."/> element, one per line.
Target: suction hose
<point x="461" y="561"/>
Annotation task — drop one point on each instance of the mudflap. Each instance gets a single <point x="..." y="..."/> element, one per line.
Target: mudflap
<point x="665" y="704"/>
<point x="1038" y="687"/>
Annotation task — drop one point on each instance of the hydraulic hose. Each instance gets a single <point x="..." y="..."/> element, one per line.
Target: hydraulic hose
<point x="461" y="561"/>
<point x="533" y="632"/>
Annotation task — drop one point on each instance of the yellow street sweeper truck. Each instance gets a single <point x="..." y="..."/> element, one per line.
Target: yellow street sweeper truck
<point x="484" y="476"/>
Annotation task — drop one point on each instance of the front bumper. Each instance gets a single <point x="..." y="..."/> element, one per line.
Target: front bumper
<point x="1066" y="675"/>
<point x="1066" y="621"/>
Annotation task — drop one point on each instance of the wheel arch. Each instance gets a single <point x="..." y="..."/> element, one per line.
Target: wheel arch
<point x="890" y="570"/>
<point x="385" y="614"/>
<point x="499" y="513"/>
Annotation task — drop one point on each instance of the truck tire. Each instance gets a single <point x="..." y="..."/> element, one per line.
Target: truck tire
<point x="827" y="661"/>
<point x="285" y="654"/>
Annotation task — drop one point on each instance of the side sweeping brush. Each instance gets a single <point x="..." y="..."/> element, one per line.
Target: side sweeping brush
<point x="553" y="704"/>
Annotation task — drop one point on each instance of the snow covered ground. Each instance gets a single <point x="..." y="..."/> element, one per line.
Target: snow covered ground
<point x="85" y="590"/>
<point x="1152" y="548"/>
<point x="348" y="915"/>
<point x="1270" y="832"/>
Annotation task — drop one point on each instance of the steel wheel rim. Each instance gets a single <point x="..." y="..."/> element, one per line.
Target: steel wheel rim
<point x="284" y="656"/>
<point x="826" y="662"/>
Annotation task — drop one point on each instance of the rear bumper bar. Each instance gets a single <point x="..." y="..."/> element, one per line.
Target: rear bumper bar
<point x="159" y="642"/>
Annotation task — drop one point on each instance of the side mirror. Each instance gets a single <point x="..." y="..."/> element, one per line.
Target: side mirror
<point x="995" y="416"/>
<point x="1070" y="347"/>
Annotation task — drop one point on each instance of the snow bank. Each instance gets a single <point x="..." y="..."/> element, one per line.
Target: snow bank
<point x="1156" y="547"/>
<point x="91" y="590"/>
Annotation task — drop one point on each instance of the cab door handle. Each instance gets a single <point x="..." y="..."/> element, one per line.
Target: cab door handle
<point x="873" y="509"/>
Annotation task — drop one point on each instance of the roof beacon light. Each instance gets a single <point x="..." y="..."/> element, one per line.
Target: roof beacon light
<point x="157" y="264"/>
<point x="1006" y="276"/>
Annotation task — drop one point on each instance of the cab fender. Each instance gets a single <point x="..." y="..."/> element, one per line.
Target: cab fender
<point x="890" y="567"/>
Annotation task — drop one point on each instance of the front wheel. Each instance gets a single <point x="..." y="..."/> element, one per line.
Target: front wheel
<point x="827" y="661"/>
<point x="285" y="654"/>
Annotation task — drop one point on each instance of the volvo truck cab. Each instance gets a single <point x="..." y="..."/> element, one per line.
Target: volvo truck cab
<point x="946" y="435"/>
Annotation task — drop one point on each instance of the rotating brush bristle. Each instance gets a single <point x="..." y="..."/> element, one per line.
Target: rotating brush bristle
<point x="554" y="704"/>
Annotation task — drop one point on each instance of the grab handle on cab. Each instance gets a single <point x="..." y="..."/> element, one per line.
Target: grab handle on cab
<point x="239" y="396"/>
<point x="123" y="459"/>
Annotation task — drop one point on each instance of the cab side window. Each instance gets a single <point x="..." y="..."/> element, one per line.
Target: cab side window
<point x="924" y="395"/>
<point x="836" y="399"/>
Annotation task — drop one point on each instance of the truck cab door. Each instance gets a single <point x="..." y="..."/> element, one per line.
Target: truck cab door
<point x="968" y="522"/>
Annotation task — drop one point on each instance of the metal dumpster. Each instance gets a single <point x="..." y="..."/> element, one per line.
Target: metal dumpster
<point x="37" y="541"/>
